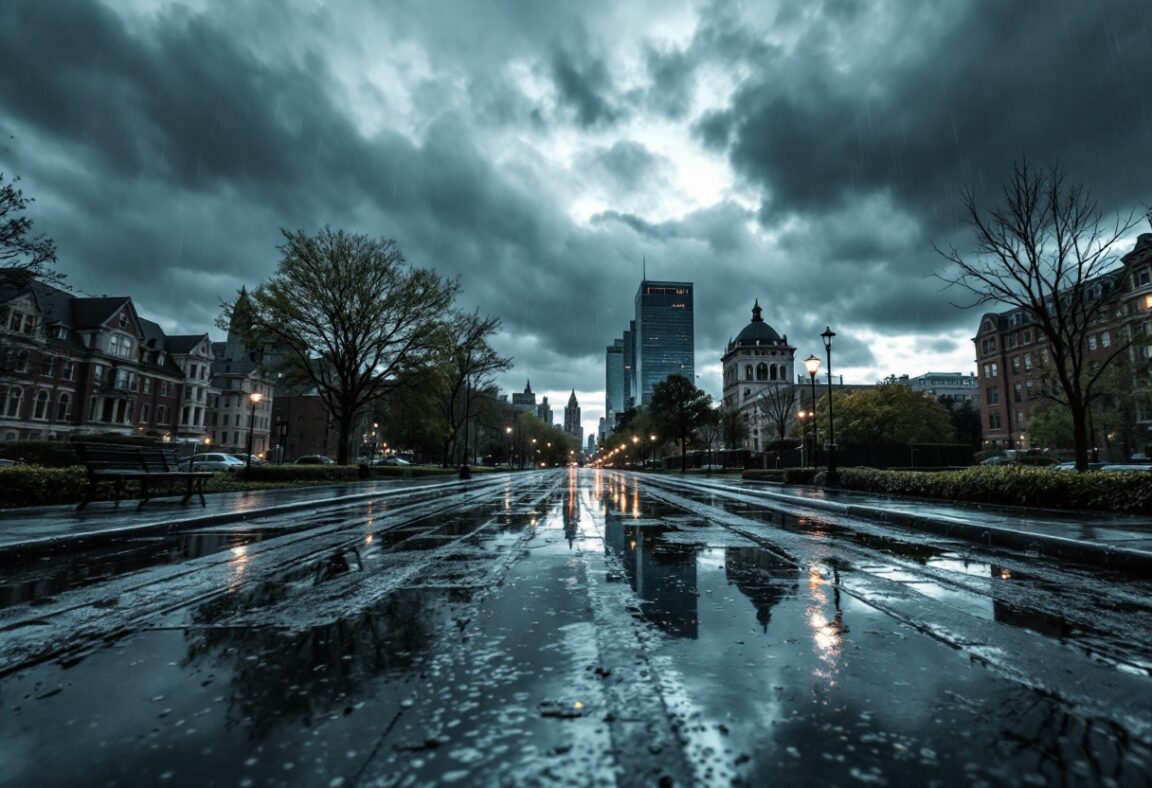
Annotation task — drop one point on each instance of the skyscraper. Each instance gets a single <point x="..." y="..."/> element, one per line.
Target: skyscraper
<point x="572" y="419"/>
<point x="614" y="377"/>
<point x="664" y="336"/>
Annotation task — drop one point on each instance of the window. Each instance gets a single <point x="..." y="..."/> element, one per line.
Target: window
<point x="1028" y="390"/>
<point x="124" y="380"/>
<point x="123" y="319"/>
<point x="69" y="371"/>
<point x="145" y="412"/>
<point x="22" y="359"/>
<point x="162" y="414"/>
<point x="990" y="370"/>
<point x="120" y="345"/>
<point x="1142" y="278"/>
<point x="1027" y="336"/>
<point x="988" y="346"/>
<point x="147" y="385"/>
<point x="40" y="405"/>
<point x="163" y="388"/>
<point x="64" y="406"/>
<point x="992" y="395"/>
<point x="1106" y="339"/>
<point x="98" y="374"/>
<point x="748" y="372"/>
<point x="11" y="402"/>
<point x="1015" y="365"/>
<point x="761" y="371"/>
<point x="1017" y="393"/>
<point x="1092" y="342"/>
<point x="994" y="421"/>
<point x="1027" y="362"/>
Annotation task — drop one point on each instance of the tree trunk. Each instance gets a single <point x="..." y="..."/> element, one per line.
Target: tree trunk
<point x="1080" y="436"/>
<point x="345" y="433"/>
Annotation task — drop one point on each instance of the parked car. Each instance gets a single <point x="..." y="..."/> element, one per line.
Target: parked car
<point x="244" y="459"/>
<point x="1070" y="465"/>
<point x="314" y="459"/>
<point x="1131" y="467"/>
<point x="998" y="460"/>
<point x="392" y="460"/>
<point x="213" y="462"/>
<point x="4" y="461"/>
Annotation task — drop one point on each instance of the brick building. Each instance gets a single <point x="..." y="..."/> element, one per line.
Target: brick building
<point x="1010" y="350"/>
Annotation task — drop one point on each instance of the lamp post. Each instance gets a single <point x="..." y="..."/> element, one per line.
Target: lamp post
<point x="831" y="478"/>
<point x="812" y="364"/>
<point x="254" y="398"/>
<point x="635" y="446"/>
<point x="652" y="444"/>
<point x="508" y="432"/>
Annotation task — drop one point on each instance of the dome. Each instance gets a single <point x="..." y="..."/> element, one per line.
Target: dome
<point x="757" y="332"/>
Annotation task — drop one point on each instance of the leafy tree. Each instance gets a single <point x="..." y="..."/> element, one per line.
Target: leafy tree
<point x="678" y="409"/>
<point x="1050" y="426"/>
<point x="888" y="413"/>
<point x="1046" y="249"/>
<point x="464" y="369"/>
<point x="965" y="417"/>
<point x="18" y="247"/>
<point x="345" y="314"/>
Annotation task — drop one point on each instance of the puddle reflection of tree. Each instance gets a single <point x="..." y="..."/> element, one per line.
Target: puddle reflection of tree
<point x="1066" y="749"/>
<point x="765" y="578"/>
<point x="277" y="677"/>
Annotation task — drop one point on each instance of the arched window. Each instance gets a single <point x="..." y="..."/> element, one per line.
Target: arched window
<point x="40" y="405"/>
<point x="64" y="406"/>
<point x="748" y="372"/>
<point x="12" y="402"/>
<point x="772" y="372"/>
<point x="761" y="371"/>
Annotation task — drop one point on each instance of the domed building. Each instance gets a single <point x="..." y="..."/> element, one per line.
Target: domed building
<point x="759" y="379"/>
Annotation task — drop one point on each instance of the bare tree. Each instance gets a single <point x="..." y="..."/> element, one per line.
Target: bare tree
<point x="1046" y="249"/>
<point x="466" y="363"/>
<point x="778" y="404"/>
<point x="18" y="247"/>
<point x="346" y="315"/>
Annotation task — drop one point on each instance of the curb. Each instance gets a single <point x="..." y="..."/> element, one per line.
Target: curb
<point x="1124" y="559"/>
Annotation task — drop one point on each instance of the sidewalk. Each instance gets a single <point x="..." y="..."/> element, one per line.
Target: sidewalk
<point x="1112" y="540"/>
<point x="30" y="530"/>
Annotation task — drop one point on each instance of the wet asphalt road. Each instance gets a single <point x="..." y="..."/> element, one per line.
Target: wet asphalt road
<point x="576" y="628"/>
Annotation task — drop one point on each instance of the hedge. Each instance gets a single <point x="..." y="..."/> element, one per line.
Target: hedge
<point x="782" y="475"/>
<point x="1009" y="485"/>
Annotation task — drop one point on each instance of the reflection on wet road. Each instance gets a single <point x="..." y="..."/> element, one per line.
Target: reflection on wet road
<point x="570" y="627"/>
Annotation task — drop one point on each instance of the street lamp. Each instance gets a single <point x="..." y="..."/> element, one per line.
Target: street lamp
<point x="652" y="443"/>
<point x="508" y="432"/>
<point x="831" y="478"/>
<point x="812" y="364"/>
<point x="254" y="398"/>
<point x="635" y="445"/>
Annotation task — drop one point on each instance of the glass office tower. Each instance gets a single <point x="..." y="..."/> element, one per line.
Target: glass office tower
<point x="664" y="336"/>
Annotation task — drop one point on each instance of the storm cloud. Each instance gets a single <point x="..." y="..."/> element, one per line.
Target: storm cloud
<point x="806" y="154"/>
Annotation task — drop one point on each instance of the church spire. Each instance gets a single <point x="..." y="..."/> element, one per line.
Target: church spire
<point x="756" y="312"/>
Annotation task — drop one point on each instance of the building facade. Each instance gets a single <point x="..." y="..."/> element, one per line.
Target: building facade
<point x="75" y="364"/>
<point x="572" y="424"/>
<point x="1011" y="352"/>
<point x="664" y="337"/>
<point x="758" y="370"/>
<point x="946" y="387"/>
<point x="525" y="400"/>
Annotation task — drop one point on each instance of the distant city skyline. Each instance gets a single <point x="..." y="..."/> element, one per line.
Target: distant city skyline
<point x="806" y="155"/>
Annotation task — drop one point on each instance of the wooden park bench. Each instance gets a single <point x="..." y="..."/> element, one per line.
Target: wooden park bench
<point x="146" y="465"/>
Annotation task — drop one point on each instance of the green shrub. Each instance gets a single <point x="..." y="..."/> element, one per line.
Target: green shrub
<point x="53" y="454"/>
<point x="1013" y="485"/>
<point x="301" y="473"/>
<point x="781" y="475"/>
<point x="29" y="485"/>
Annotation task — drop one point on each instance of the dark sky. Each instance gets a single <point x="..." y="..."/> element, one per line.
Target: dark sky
<point x="803" y="153"/>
